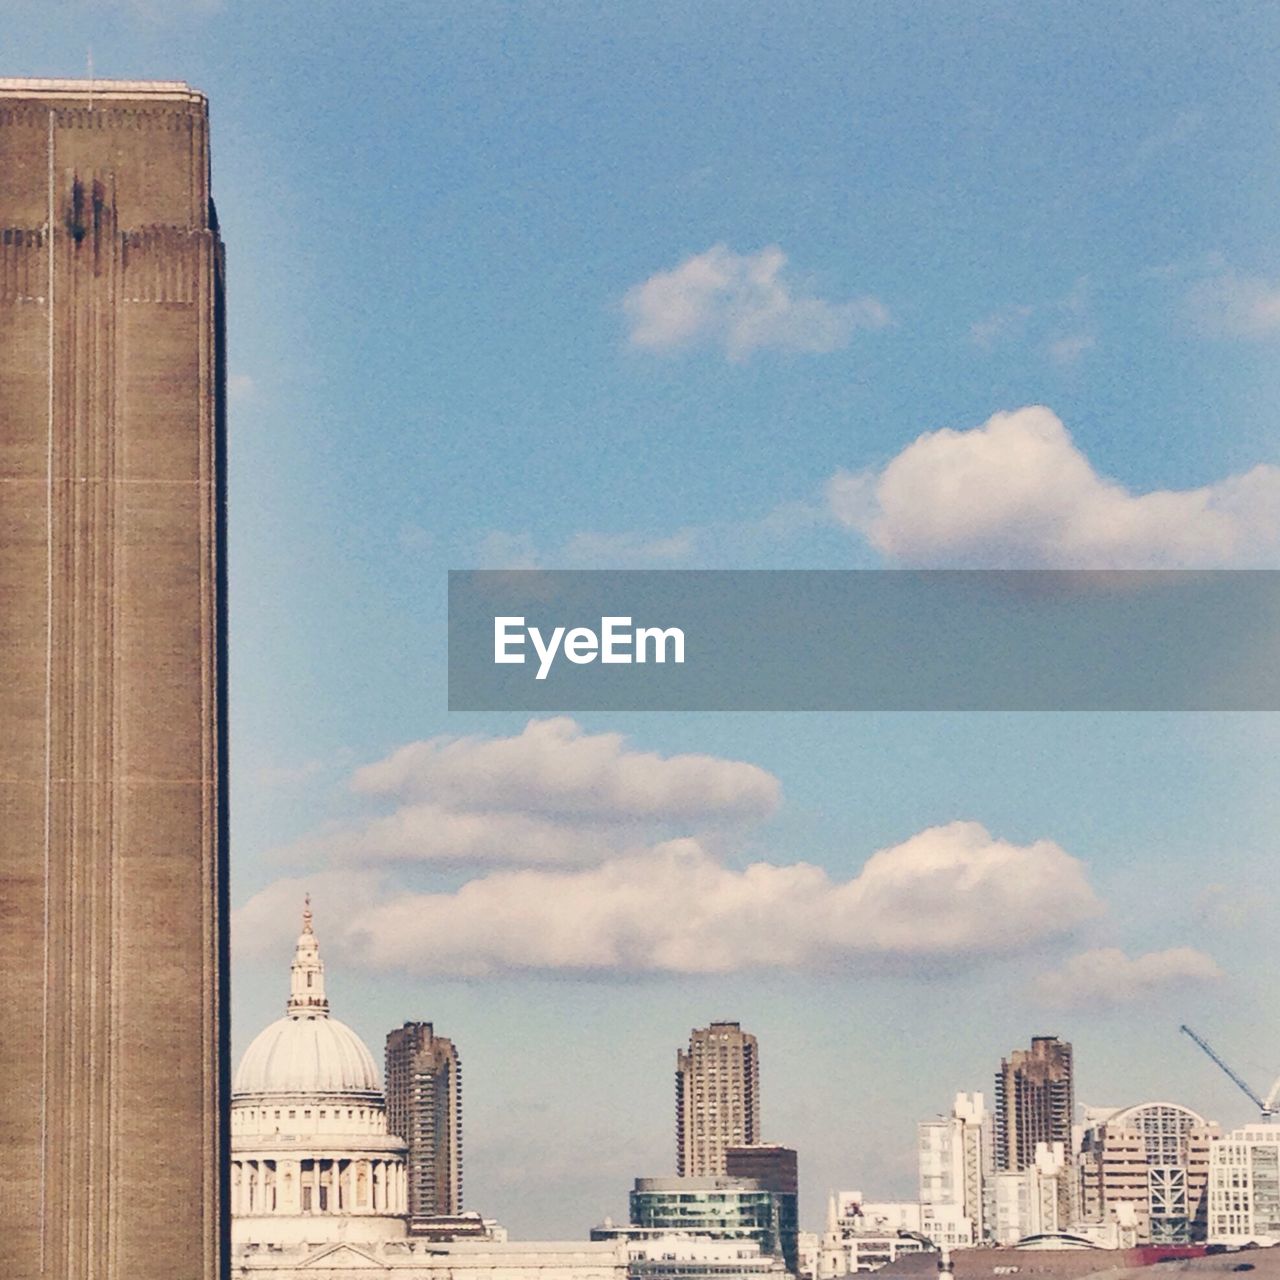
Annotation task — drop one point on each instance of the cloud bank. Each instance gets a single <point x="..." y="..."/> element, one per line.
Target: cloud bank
<point x="1107" y="976"/>
<point x="1234" y="305"/>
<point x="1017" y="492"/>
<point x="741" y="303"/>
<point x="950" y="895"/>
<point x="554" y="768"/>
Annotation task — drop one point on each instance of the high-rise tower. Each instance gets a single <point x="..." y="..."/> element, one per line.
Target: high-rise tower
<point x="424" y="1108"/>
<point x="1035" y="1102"/>
<point x="717" y="1098"/>
<point x="112" y="706"/>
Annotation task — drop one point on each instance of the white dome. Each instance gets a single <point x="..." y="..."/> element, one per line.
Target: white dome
<point x="307" y="1055"/>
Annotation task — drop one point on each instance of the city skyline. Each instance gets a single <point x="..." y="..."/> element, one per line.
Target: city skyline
<point x="669" y="287"/>
<point x="1150" y="1172"/>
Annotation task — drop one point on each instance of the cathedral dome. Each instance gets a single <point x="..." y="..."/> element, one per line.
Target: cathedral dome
<point x="307" y="1051"/>
<point x="302" y="1054"/>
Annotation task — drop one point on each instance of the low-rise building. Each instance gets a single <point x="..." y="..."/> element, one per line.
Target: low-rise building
<point x="1244" y="1186"/>
<point x="1032" y="1201"/>
<point x="670" y="1255"/>
<point x="722" y="1208"/>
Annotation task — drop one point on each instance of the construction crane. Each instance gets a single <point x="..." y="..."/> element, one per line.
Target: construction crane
<point x="1267" y="1108"/>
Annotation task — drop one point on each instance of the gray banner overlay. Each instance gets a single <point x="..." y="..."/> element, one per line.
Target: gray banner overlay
<point x="867" y="640"/>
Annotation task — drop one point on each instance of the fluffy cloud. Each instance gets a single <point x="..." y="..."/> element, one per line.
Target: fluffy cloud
<point x="553" y="768"/>
<point x="274" y="914"/>
<point x="1237" y="306"/>
<point x="435" y="834"/>
<point x="948" y="894"/>
<point x="551" y="795"/>
<point x="1016" y="492"/>
<point x="741" y="303"/>
<point x="1107" y="976"/>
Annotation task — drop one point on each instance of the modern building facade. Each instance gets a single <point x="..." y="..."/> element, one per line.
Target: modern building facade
<point x="424" y="1108"/>
<point x="655" y="1252"/>
<point x="955" y="1161"/>
<point x="112" y="706"/>
<point x="1244" y="1186"/>
<point x="1154" y="1157"/>
<point x="717" y="1098"/>
<point x="777" y="1169"/>
<point x="1032" y="1201"/>
<point x="720" y="1208"/>
<point x="1035" y="1102"/>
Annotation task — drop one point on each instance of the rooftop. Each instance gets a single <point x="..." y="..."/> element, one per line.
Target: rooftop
<point x="86" y="88"/>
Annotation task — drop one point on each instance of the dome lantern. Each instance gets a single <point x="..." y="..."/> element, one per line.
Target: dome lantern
<point x="306" y="974"/>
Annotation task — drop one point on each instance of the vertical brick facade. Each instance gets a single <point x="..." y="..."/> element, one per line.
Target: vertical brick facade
<point x="112" y="706"/>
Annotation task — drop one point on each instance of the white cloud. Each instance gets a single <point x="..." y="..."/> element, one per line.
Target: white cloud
<point x="948" y="895"/>
<point x="1016" y="492"/>
<point x="741" y="303"/>
<point x="240" y="386"/>
<point x="554" y="768"/>
<point x="1059" y="326"/>
<point x="1107" y="976"/>
<point x="433" y="833"/>
<point x="988" y="332"/>
<point x="1234" y="305"/>
<point x="551" y="795"/>
<point x="1069" y="349"/>
<point x="273" y="915"/>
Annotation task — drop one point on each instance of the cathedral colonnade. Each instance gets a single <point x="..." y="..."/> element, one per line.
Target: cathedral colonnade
<point x="337" y="1183"/>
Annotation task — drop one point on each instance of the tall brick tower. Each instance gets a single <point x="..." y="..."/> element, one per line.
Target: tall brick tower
<point x="1035" y="1102"/>
<point x="112" y="704"/>
<point x="717" y="1098"/>
<point x="424" y="1107"/>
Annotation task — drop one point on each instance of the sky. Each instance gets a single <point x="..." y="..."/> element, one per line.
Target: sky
<point x="751" y="286"/>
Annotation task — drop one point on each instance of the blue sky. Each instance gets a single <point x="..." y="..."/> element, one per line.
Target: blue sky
<point x="681" y="285"/>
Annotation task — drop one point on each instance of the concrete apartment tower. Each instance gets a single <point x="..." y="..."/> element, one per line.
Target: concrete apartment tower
<point x="717" y="1098"/>
<point x="112" y="707"/>
<point x="1035" y="1102"/>
<point x="424" y="1109"/>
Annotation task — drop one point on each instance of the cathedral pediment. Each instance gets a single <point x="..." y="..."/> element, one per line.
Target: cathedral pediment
<point x="342" y="1257"/>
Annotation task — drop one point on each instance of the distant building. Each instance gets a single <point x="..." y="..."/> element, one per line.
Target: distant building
<point x="955" y="1161"/>
<point x="721" y="1208"/>
<point x="1155" y="1157"/>
<point x="776" y="1169"/>
<point x="1244" y="1186"/>
<point x="654" y="1253"/>
<point x="319" y="1187"/>
<point x="865" y="1236"/>
<point x="424" y="1108"/>
<point x="1035" y="1102"/>
<point x="1032" y="1201"/>
<point x="311" y="1158"/>
<point x="717" y="1098"/>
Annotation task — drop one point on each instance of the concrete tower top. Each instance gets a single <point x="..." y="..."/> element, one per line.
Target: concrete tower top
<point x="177" y="90"/>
